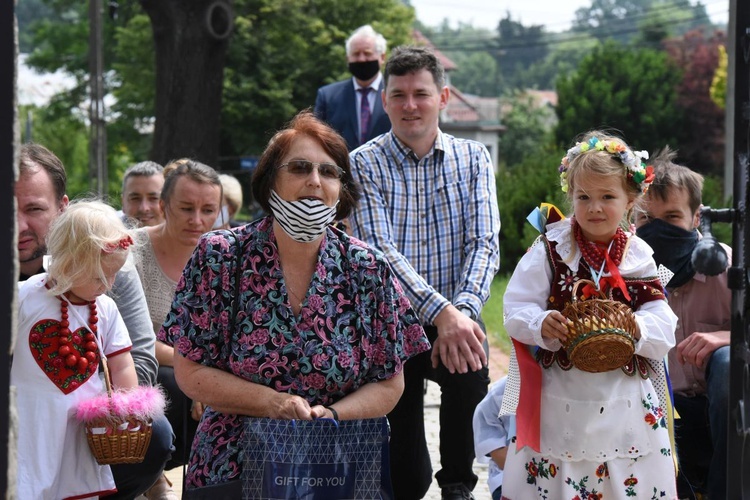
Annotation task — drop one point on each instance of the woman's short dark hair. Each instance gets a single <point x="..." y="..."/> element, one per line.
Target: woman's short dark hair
<point x="306" y="124"/>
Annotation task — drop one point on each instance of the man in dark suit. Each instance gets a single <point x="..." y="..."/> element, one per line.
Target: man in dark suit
<point x="354" y="107"/>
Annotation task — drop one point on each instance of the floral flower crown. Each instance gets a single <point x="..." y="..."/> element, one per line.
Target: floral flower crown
<point x="636" y="170"/>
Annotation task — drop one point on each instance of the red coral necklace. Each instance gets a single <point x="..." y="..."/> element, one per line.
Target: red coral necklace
<point x="597" y="254"/>
<point x="68" y="350"/>
<point x="594" y="253"/>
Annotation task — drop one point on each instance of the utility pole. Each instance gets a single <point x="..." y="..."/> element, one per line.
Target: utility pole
<point x="98" y="132"/>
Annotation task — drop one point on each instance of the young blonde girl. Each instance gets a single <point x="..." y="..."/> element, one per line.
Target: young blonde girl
<point x="580" y="434"/>
<point x="64" y="324"/>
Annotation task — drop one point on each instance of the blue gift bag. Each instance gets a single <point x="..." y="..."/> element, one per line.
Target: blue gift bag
<point x="316" y="459"/>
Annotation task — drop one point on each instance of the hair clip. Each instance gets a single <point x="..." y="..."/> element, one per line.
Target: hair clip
<point x="123" y="244"/>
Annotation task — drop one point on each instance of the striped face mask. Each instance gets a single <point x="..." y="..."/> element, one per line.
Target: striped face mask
<point x="302" y="220"/>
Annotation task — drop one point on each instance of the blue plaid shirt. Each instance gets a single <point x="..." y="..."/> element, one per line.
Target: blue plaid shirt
<point x="436" y="219"/>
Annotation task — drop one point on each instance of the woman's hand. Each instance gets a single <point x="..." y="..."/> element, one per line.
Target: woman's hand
<point x="290" y="407"/>
<point x="555" y="326"/>
<point x="320" y="411"/>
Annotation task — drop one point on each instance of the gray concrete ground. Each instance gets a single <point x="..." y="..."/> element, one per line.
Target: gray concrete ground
<point x="432" y="428"/>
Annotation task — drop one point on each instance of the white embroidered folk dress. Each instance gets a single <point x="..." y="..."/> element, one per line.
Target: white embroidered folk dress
<point x="603" y="435"/>
<point x="54" y="459"/>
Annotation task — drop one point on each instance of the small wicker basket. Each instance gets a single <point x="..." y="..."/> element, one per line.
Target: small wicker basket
<point x="600" y="334"/>
<point x="117" y="439"/>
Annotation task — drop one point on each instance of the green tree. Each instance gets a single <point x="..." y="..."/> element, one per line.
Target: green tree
<point x="643" y="21"/>
<point x="474" y="50"/>
<point x="59" y="37"/>
<point x="477" y="73"/>
<point x="26" y="12"/>
<point x="615" y="19"/>
<point x="670" y="18"/>
<point x="280" y="53"/>
<point x="629" y="90"/>
<point x="133" y="84"/>
<point x="519" y="46"/>
<point x="527" y="126"/>
<point x="66" y="135"/>
<point x="566" y="53"/>
<point x="283" y="51"/>
<point x="519" y="190"/>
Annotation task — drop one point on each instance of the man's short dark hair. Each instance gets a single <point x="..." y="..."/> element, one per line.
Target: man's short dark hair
<point x="34" y="156"/>
<point x="407" y="60"/>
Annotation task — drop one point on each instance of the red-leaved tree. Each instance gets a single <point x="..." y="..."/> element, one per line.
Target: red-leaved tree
<point x="702" y="147"/>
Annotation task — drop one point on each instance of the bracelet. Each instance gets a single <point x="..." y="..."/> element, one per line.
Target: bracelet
<point x="334" y="412"/>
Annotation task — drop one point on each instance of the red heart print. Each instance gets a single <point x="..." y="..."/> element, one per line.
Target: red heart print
<point x="44" y="342"/>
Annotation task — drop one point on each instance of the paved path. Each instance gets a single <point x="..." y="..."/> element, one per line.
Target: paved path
<point x="432" y="428"/>
<point x="498" y="367"/>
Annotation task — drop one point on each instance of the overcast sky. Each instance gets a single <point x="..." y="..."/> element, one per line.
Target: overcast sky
<point x="555" y="14"/>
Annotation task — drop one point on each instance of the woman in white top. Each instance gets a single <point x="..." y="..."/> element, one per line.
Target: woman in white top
<point x="191" y="202"/>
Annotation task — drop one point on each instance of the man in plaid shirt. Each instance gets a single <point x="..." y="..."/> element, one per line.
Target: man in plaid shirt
<point x="430" y="205"/>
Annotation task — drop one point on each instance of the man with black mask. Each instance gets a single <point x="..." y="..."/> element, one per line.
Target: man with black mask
<point x="353" y="107"/>
<point x="699" y="362"/>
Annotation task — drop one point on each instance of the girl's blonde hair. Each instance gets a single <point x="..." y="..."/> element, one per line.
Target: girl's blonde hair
<point x="87" y="232"/>
<point x="603" y="163"/>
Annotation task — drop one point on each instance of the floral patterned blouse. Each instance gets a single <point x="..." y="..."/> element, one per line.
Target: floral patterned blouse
<point x="355" y="327"/>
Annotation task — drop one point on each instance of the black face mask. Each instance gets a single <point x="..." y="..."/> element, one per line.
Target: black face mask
<point x="364" y="70"/>
<point x="673" y="247"/>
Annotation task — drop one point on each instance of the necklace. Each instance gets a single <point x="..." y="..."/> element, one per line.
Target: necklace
<point x="296" y="297"/>
<point x="594" y="253"/>
<point x="290" y="293"/>
<point x="71" y="347"/>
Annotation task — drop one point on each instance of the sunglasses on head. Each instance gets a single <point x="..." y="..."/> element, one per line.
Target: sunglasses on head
<point x="304" y="168"/>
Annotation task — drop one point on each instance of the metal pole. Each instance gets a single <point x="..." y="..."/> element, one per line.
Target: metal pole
<point x="8" y="253"/>
<point x="98" y="132"/>
<point x="738" y="432"/>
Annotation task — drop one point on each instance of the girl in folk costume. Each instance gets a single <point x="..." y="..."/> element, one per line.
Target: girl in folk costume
<point x="64" y="323"/>
<point x="584" y="434"/>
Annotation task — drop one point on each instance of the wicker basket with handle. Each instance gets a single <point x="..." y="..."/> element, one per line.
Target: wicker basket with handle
<point x="600" y="332"/>
<point x="118" y="439"/>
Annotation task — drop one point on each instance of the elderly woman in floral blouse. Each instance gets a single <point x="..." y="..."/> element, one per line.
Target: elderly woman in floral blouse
<point x="311" y="324"/>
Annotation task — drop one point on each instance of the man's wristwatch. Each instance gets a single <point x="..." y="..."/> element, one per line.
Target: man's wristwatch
<point x="467" y="312"/>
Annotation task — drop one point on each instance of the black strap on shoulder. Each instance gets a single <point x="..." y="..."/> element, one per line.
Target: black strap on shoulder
<point x="237" y="278"/>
